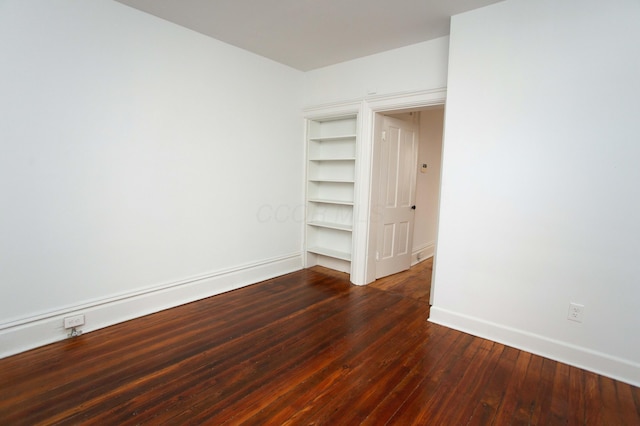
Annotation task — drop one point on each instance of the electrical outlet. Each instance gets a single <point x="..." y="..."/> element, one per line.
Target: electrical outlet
<point x="74" y="321"/>
<point x="576" y="312"/>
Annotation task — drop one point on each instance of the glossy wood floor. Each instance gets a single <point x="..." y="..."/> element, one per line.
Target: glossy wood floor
<point x="305" y="348"/>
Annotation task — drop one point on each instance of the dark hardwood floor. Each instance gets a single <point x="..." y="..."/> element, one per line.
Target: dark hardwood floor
<point x="305" y="348"/>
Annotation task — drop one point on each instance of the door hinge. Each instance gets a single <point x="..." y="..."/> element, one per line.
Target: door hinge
<point x="384" y="135"/>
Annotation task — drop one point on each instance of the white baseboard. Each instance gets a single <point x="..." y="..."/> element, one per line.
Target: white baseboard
<point x="22" y="335"/>
<point x="606" y="365"/>
<point x="423" y="252"/>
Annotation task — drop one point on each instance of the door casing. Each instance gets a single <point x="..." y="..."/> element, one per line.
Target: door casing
<point x="365" y="224"/>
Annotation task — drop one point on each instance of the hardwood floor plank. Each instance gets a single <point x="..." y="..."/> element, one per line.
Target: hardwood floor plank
<point x="304" y="348"/>
<point x="544" y="397"/>
<point x="516" y="386"/>
<point x="367" y="380"/>
<point x="232" y="364"/>
<point x="113" y="370"/>
<point x="433" y="355"/>
<point x="576" y="403"/>
<point x="627" y="407"/>
<point x="559" y="407"/>
<point x="480" y="396"/>
<point x="492" y="395"/>
<point x="414" y="283"/>
<point x="138" y="338"/>
<point x="356" y="358"/>
<point x="609" y="414"/>
<point x="635" y="391"/>
<point x="457" y="406"/>
<point x="527" y="397"/>
<point x="425" y="401"/>
<point x="366" y="311"/>
<point x="593" y="400"/>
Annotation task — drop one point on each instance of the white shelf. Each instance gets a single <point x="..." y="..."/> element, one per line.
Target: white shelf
<point x="332" y="138"/>
<point x="333" y="159"/>
<point x="325" y="201"/>
<point x="331" y="180"/>
<point x="332" y="147"/>
<point x="330" y="252"/>
<point x="331" y="225"/>
<point x="339" y="190"/>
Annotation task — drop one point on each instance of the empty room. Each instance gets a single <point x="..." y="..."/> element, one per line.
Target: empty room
<point x="336" y="212"/>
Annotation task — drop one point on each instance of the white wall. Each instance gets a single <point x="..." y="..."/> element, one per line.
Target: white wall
<point x="540" y="201"/>
<point x="428" y="183"/>
<point x="136" y="155"/>
<point x="422" y="66"/>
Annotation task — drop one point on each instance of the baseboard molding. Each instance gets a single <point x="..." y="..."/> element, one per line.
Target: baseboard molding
<point x="423" y="252"/>
<point x="29" y="333"/>
<point x="597" y="362"/>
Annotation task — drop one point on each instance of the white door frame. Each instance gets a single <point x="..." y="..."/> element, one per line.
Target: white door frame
<point x="365" y="229"/>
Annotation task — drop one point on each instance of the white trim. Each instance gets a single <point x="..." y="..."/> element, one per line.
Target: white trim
<point x="361" y="196"/>
<point x="331" y="110"/>
<point x="619" y="369"/>
<point x="30" y="332"/>
<point x="363" y="261"/>
<point x="423" y="252"/>
<point x="407" y="100"/>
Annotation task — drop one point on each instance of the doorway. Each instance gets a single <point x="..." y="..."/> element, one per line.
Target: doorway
<point x="364" y="226"/>
<point x="406" y="234"/>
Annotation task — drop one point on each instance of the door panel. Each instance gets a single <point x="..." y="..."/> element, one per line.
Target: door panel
<point x="387" y="245"/>
<point x="403" y="238"/>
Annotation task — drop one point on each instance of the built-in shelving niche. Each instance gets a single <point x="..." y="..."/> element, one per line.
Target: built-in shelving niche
<point x="331" y="155"/>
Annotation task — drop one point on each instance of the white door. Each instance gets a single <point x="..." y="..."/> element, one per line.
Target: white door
<point x="397" y="192"/>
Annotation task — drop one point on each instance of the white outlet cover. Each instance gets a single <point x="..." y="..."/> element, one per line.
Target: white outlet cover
<point x="576" y="312"/>
<point x="74" y="321"/>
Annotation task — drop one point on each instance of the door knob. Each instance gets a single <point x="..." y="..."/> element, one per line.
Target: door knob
<point x="413" y="207"/>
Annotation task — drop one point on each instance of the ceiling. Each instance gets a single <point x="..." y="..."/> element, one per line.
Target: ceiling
<point x="309" y="34"/>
